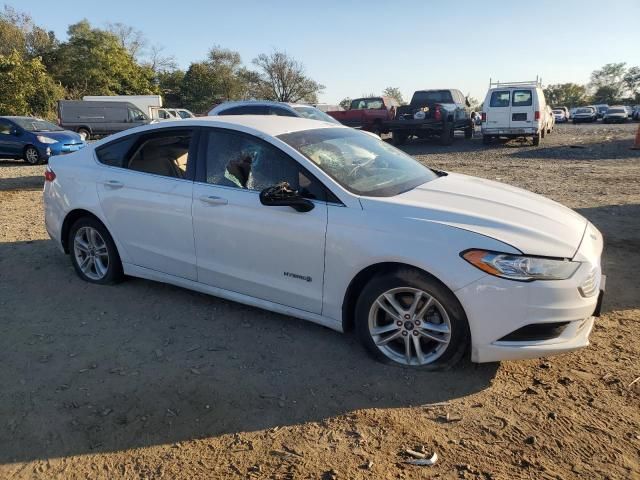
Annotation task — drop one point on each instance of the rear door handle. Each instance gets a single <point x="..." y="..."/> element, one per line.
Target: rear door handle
<point x="113" y="184"/>
<point x="213" y="200"/>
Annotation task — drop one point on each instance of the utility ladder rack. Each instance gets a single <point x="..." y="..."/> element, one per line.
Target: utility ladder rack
<point x="529" y="83"/>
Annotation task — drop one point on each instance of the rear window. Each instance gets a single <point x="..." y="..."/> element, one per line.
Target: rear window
<point x="366" y="104"/>
<point x="522" y="98"/>
<point x="500" y="98"/>
<point x="421" y="99"/>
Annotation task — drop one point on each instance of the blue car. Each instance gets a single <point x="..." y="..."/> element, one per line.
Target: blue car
<point x="35" y="140"/>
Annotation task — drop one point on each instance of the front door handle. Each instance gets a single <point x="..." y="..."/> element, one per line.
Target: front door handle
<point x="113" y="184"/>
<point x="213" y="200"/>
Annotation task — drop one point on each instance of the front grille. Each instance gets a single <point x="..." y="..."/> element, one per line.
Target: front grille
<point x="590" y="286"/>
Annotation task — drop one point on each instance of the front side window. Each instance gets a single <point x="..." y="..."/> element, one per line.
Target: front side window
<point x="362" y="164"/>
<point x="136" y="115"/>
<point x="522" y="98"/>
<point x="500" y="99"/>
<point x="5" y="127"/>
<point x="245" y="162"/>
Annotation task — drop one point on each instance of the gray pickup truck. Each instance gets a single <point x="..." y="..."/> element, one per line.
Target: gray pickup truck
<point x="432" y="113"/>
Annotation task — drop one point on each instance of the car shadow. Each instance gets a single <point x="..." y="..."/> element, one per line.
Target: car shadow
<point x="32" y="182"/>
<point x="89" y="368"/>
<point x="597" y="150"/>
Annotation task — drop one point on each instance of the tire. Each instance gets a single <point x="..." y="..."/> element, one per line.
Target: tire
<point x="97" y="270"/>
<point x="32" y="156"/>
<point x="486" y="139"/>
<point x="543" y="132"/>
<point x="447" y="320"/>
<point x="537" y="138"/>
<point x="399" y="137"/>
<point x="468" y="133"/>
<point x="446" y="137"/>
<point x="85" y="134"/>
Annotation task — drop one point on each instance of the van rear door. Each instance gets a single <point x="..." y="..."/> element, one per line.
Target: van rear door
<point x="499" y="109"/>
<point x="522" y="108"/>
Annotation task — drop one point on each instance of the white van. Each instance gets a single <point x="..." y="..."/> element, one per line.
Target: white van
<point x="514" y="109"/>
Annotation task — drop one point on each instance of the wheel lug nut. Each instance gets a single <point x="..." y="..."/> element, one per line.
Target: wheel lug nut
<point x="415" y="332"/>
<point x="399" y="323"/>
<point x="405" y="333"/>
<point x="407" y="316"/>
<point x="417" y="322"/>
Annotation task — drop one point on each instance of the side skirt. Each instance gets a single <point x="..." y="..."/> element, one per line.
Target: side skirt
<point x="141" y="272"/>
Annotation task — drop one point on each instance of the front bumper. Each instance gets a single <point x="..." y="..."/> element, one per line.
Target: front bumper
<point x="49" y="150"/>
<point x="496" y="308"/>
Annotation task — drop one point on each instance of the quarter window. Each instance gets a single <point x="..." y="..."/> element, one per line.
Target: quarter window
<point x="114" y="154"/>
<point x="500" y="98"/>
<point x="522" y="98"/>
<point x="245" y="162"/>
<point x="5" y="128"/>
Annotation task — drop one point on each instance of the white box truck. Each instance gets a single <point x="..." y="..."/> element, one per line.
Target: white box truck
<point x="149" y="104"/>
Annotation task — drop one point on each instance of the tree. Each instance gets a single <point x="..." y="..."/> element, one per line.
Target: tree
<point x="632" y="82"/>
<point x="18" y="32"/>
<point x="345" y="103"/>
<point x="606" y="94"/>
<point x="158" y="62"/>
<point x="566" y="94"/>
<point x="132" y="40"/>
<point x="475" y="104"/>
<point x="93" y="62"/>
<point x="394" y="93"/>
<point x="26" y="89"/>
<point x="285" y="80"/>
<point x="610" y="78"/>
<point x="170" y="84"/>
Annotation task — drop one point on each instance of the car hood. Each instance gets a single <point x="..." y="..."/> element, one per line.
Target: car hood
<point x="528" y="222"/>
<point x="63" y="136"/>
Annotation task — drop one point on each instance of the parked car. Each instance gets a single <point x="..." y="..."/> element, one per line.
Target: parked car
<point x="601" y="109"/>
<point x="629" y="110"/>
<point x="567" y="112"/>
<point x="560" y="115"/>
<point x="181" y="113"/>
<point x="516" y="109"/>
<point x="328" y="224"/>
<point x="35" y="140"/>
<point x="369" y="113"/>
<point x="585" y="114"/>
<point x="636" y="112"/>
<point x="615" y="115"/>
<point x="151" y="105"/>
<point x="263" y="107"/>
<point x="432" y="113"/>
<point x="91" y="119"/>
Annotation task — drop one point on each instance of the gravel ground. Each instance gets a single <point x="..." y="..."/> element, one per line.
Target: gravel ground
<point x="144" y="380"/>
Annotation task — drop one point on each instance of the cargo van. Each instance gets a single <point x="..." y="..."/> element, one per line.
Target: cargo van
<point x="514" y="109"/>
<point x="92" y="119"/>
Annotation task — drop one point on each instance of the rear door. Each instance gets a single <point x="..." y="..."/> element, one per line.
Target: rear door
<point x="522" y="108"/>
<point x="499" y="111"/>
<point x="146" y="194"/>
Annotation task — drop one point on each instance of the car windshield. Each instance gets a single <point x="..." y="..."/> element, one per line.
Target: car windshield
<point x="617" y="110"/>
<point x="315" y="114"/>
<point x="361" y="163"/>
<point x="584" y="110"/>
<point x="37" y="125"/>
<point x="558" y="111"/>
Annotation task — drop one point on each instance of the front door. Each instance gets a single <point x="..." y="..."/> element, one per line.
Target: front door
<point x="147" y="199"/>
<point x="266" y="252"/>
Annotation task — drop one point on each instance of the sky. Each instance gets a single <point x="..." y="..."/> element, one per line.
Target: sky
<point x="358" y="47"/>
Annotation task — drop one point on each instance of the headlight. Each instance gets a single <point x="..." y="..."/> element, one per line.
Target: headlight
<point x="520" y="267"/>
<point x="43" y="139"/>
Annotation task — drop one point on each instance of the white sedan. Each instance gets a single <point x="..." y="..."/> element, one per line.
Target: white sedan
<point x="328" y="224"/>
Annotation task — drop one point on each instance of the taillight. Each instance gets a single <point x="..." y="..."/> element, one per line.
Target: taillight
<point x="536" y="116"/>
<point x="437" y="115"/>
<point x="49" y="176"/>
<point x="484" y="116"/>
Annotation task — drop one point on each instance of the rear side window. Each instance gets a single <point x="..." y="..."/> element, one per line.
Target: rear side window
<point x="522" y="98"/>
<point x="500" y="98"/>
<point x="164" y="153"/>
<point x="115" y="153"/>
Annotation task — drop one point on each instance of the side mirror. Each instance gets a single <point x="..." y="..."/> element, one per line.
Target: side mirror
<point x="281" y="195"/>
<point x="16" y="132"/>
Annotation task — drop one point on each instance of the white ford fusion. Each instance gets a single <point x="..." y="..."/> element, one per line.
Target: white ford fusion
<point x="331" y="225"/>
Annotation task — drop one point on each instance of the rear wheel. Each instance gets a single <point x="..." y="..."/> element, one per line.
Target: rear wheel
<point x="32" y="156"/>
<point x="85" y="134"/>
<point x="93" y="252"/>
<point x="409" y="318"/>
<point x="486" y="139"/>
<point x="446" y="137"/>
<point x="537" y="138"/>
<point x="399" y="137"/>
<point x="468" y="132"/>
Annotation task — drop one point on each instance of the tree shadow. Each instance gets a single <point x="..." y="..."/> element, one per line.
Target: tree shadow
<point x="91" y="368"/>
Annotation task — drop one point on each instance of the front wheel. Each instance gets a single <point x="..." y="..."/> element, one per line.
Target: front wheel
<point x="93" y="252"/>
<point x="32" y="156"/>
<point x="85" y="134"/>
<point x="399" y="137"/>
<point x="409" y="318"/>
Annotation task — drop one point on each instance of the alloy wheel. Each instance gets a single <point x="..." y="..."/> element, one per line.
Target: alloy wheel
<point x="91" y="253"/>
<point x="409" y="326"/>
<point x="32" y="156"/>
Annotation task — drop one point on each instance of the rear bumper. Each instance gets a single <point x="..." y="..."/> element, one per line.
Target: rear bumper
<point x="510" y="132"/>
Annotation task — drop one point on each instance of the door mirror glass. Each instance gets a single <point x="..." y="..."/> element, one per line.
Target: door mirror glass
<point x="16" y="132"/>
<point x="282" y="195"/>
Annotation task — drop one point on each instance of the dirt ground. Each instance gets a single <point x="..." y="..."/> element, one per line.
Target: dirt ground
<point x="144" y="380"/>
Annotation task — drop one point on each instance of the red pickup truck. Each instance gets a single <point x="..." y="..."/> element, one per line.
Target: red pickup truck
<point x="368" y="113"/>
